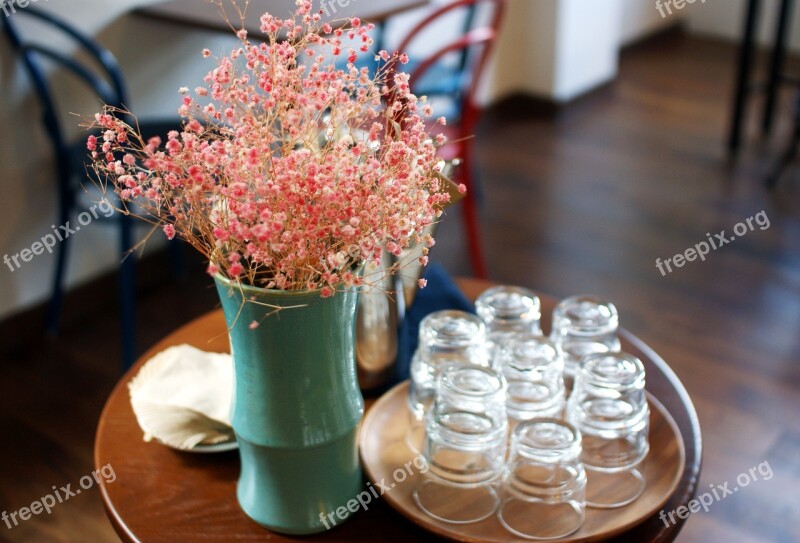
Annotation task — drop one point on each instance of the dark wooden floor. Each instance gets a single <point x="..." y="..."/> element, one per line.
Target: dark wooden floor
<point x="584" y="202"/>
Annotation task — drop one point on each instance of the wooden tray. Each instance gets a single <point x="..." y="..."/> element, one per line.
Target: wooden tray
<point x="384" y="453"/>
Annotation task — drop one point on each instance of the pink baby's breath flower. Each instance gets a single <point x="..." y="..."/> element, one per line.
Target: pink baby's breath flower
<point x="221" y="234"/>
<point x="292" y="172"/>
<point x="236" y="269"/>
<point x="169" y="230"/>
<point x="327" y="291"/>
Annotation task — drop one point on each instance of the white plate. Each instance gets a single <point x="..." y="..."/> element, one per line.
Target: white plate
<point x="225" y="446"/>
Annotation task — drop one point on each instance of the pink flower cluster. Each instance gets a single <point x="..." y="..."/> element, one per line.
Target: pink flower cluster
<point x="289" y="173"/>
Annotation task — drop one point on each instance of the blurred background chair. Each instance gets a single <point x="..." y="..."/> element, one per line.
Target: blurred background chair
<point x="446" y="77"/>
<point x="104" y="77"/>
<point x="455" y="71"/>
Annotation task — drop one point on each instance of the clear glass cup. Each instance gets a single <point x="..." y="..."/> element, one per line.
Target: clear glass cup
<point x="533" y="369"/>
<point x="465" y="446"/>
<point x="445" y="338"/>
<point x="543" y="495"/>
<point x="583" y="325"/>
<point x="609" y="406"/>
<point x="506" y="311"/>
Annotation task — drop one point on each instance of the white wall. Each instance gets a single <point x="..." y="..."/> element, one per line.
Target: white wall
<point x="639" y="18"/>
<point x="524" y="58"/>
<point x="587" y="46"/>
<point x="725" y="19"/>
<point x="553" y="49"/>
<point x="560" y="49"/>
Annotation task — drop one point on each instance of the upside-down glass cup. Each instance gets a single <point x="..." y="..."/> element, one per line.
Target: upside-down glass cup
<point x="583" y="325"/>
<point x="507" y="311"/>
<point x="609" y="407"/>
<point x="544" y="486"/>
<point x="533" y="369"/>
<point x="465" y="446"/>
<point x="446" y="338"/>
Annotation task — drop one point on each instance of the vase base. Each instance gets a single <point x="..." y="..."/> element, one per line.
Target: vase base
<point x="298" y="491"/>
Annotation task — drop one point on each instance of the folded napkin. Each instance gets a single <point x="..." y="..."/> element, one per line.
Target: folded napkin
<point x="182" y="397"/>
<point x="440" y="293"/>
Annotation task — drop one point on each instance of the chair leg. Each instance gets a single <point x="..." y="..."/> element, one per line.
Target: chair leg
<point x="475" y="245"/>
<point x="57" y="293"/>
<point x="471" y="226"/>
<point x="789" y="153"/>
<point x="127" y="294"/>
<point x="65" y="204"/>
<point x="776" y="65"/>
<point x="786" y="159"/>
<point x="746" y="53"/>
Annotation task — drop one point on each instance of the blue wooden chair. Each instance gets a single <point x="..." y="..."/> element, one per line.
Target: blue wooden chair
<point x="108" y="84"/>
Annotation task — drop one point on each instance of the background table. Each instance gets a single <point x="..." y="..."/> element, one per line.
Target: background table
<point x="203" y="13"/>
<point x="165" y="495"/>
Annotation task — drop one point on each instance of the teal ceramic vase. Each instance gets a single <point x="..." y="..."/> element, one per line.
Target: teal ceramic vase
<point x="297" y="404"/>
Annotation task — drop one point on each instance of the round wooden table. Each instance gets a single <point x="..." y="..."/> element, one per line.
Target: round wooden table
<point x="164" y="495"/>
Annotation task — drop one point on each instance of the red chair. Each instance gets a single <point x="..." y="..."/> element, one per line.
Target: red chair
<point x="475" y="46"/>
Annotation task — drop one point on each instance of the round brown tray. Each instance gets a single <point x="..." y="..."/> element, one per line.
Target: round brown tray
<point x="384" y="455"/>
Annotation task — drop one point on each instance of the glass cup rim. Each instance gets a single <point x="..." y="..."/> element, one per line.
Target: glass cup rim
<point x="446" y="382"/>
<point x="629" y="379"/>
<point x="428" y="332"/>
<point x="508" y="359"/>
<point x="579" y="326"/>
<point x="520" y="446"/>
<point x="488" y="311"/>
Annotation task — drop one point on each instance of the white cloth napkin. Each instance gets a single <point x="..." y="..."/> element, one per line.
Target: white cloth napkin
<point x="182" y="397"/>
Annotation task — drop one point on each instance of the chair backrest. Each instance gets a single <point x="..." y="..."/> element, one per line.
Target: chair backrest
<point x="473" y="45"/>
<point x="107" y="81"/>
